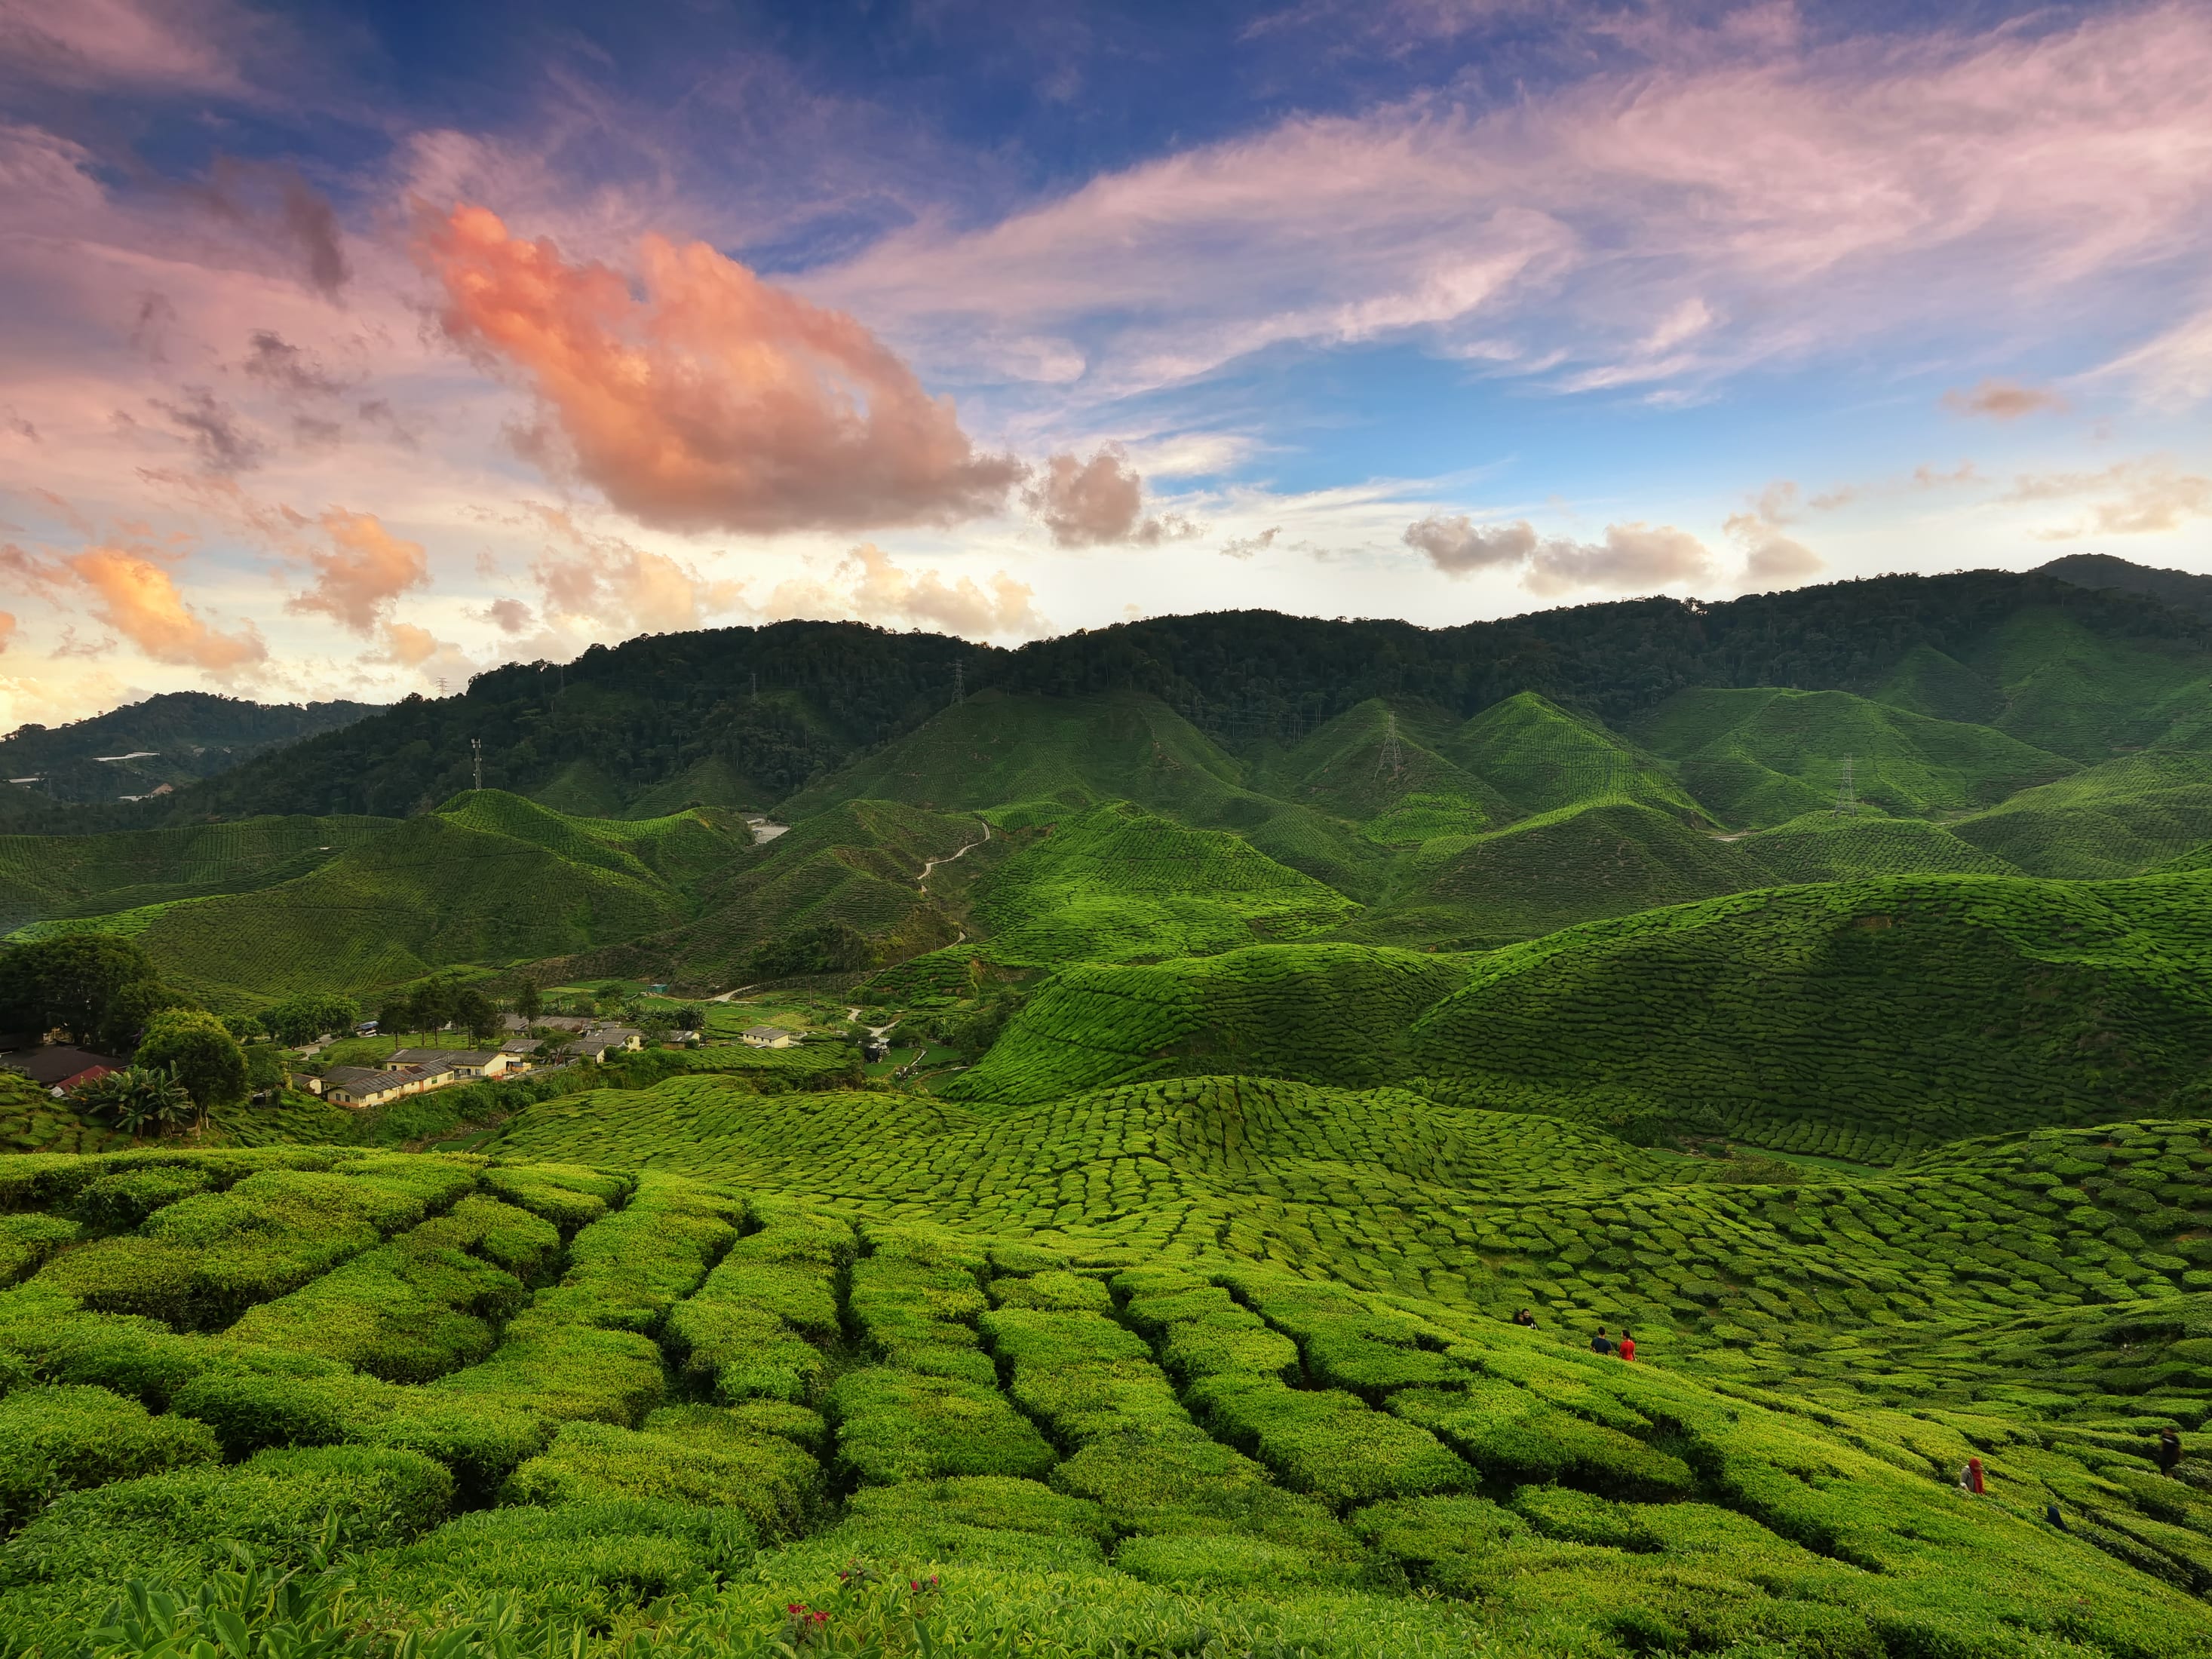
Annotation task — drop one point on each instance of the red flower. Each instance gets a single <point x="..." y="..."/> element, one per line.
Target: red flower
<point x="821" y="1618"/>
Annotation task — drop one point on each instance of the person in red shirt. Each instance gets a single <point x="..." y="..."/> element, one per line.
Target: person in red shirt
<point x="1627" y="1344"/>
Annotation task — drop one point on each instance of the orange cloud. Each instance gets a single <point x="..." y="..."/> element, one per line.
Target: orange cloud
<point x="2004" y="400"/>
<point x="365" y="569"/>
<point x="7" y="630"/>
<point x="1094" y="502"/>
<point x="139" y="600"/>
<point x="873" y="589"/>
<point x="716" y="401"/>
<point x="604" y="580"/>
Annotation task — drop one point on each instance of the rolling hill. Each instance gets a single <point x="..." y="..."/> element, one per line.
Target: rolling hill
<point x="172" y="739"/>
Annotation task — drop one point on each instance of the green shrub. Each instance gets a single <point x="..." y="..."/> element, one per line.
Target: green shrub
<point x="1329" y="1443"/>
<point x="1231" y="1558"/>
<point x="121" y="1202"/>
<point x="696" y="1456"/>
<point x="897" y="1425"/>
<point x="28" y="1240"/>
<point x="568" y="1196"/>
<point x="54" y="1440"/>
<point x="1055" y="1291"/>
<point x="1512" y="1435"/>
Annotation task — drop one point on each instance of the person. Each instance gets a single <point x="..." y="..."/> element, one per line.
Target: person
<point x="1970" y="1478"/>
<point x="1523" y="1317"/>
<point x="2169" y="1451"/>
<point x="1600" y="1343"/>
<point x="1627" y="1344"/>
<point x="2051" y="1514"/>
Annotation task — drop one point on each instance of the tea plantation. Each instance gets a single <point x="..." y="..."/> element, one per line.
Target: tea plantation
<point x="1233" y="1085"/>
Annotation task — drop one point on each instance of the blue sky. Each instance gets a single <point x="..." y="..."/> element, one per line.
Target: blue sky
<point x="350" y="349"/>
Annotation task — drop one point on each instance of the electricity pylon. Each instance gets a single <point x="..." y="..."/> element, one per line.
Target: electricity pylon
<point x="1847" y="800"/>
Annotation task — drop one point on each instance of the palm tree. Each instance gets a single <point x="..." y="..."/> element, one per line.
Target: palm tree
<point x="134" y="1099"/>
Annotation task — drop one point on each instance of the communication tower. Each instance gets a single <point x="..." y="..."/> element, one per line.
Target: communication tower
<point x="1847" y="800"/>
<point x="476" y="749"/>
<point x="1391" y="758"/>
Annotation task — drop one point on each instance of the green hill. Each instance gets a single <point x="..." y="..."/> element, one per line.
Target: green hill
<point x="1562" y="866"/>
<point x="1371" y="765"/>
<point x="44" y="877"/>
<point x="2115" y="819"/>
<point x="2085" y="695"/>
<point x="1822" y="846"/>
<point x="1758" y="758"/>
<point x="1321" y="1013"/>
<point x="1542" y="759"/>
<point x="491" y="879"/>
<point x="1118" y="884"/>
<point x="1855" y="1019"/>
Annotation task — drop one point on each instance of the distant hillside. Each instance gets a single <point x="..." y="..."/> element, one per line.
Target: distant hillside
<point x="749" y="716"/>
<point x="2181" y="589"/>
<point x="172" y="739"/>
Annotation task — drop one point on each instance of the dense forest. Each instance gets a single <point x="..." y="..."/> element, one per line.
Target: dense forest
<point x="763" y="709"/>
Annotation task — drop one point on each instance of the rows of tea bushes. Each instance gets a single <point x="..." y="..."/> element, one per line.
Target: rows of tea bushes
<point x="706" y="1404"/>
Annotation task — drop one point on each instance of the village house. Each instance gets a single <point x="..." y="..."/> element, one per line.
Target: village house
<point x="594" y="1048"/>
<point x="461" y="1062"/>
<point x="522" y="1054"/>
<point x="363" y="1085"/>
<point x="626" y="1036"/>
<point x="768" y="1036"/>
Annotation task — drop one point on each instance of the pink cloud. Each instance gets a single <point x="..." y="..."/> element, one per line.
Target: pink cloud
<point x="607" y="584"/>
<point x="2004" y="400"/>
<point x="1101" y="500"/>
<point x="872" y="587"/>
<point x="365" y="569"/>
<point x="1668" y="222"/>
<point x="717" y="400"/>
<point x="7" y="629"/>
<point x="1457" y="545"/>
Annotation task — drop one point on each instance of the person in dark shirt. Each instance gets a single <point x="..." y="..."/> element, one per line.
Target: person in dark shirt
<point x="1524" y="1317"/>
<point x="2169" y="1451"/>
<point x="1600" y="1343"/>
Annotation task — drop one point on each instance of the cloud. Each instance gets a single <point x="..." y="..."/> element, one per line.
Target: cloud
<point x="871" y="589"/>
<point x="139" y="599"/>
<point x="1458" y="546"/>
<point x="280" y="210"/>
<point x="7" y="629"/>
<point x="2004" y="400"/>
<point x="1243" y="547"/>
<point x="365" y="569"/>
<point x="1099" y="502"/>
<point x="214" y="431"/>
<point x="2173" y="371"/>
<point x="604" y="582"/>
<point x="1772" y="557"/>
<point x="287" y="369"/>
<point x="139" y="43"/>
<point x="2140" y="498"/>
<point x="510" y="616"/>
<point x="716" y="400"/>
<point x="1632" y="558"/>
<point x="1668" y="220"/>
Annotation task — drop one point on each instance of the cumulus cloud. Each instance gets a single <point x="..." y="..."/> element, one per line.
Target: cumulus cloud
<point x="2137" y="498"/>
<point x="1243" y="547"/>
<point x="510" y="616"/>
<point x="218" y="436"/>
<point x="870" y="587"/>
<point x="714" y="401"/>
<point x="139" y="599"/>
<point x="1772" y="557"/>
<point x="1458" y="546"/>
<point x="361" y="573"/>
<point x="1632" y="558"/>
<point x="585" y="577"/>
<point x="1099" y="502"/>
<point x="2004" y="400"/>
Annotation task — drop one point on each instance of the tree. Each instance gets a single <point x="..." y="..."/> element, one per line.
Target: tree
<point x="529" y="1003"/>
<point x="478" y="1012"/>
<point x="203" y="1056"/>
<point x="135" y="1008"/>
<point x="302" y="1018"/>
<point x="71" y="982"/>
<point x="689" y="1018"/>
<point x="245" y="1027"/>
<point x="264" y="1067"/>
<point x="134" y="1099"/>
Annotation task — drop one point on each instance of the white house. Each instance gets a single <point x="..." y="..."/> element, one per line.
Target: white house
<point x="768" y="1036"/>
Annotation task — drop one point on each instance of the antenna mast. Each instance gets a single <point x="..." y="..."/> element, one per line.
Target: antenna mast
<point x="1847" y="800"/>
<point x="476" y="748"/>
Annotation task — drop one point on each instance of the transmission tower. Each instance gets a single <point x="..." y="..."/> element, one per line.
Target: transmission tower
<point x="476" y="749"/>
<point x="1392" y="756"/>
<point x="959" y="683"/>
<point x="1847" y="800"/>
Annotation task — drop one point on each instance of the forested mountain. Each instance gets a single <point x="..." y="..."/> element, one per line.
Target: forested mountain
<point x="746" y="716"/>
<point x="174" y="739"/>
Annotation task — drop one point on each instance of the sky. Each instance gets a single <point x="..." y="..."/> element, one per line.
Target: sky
<point x="350" y="349"/>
